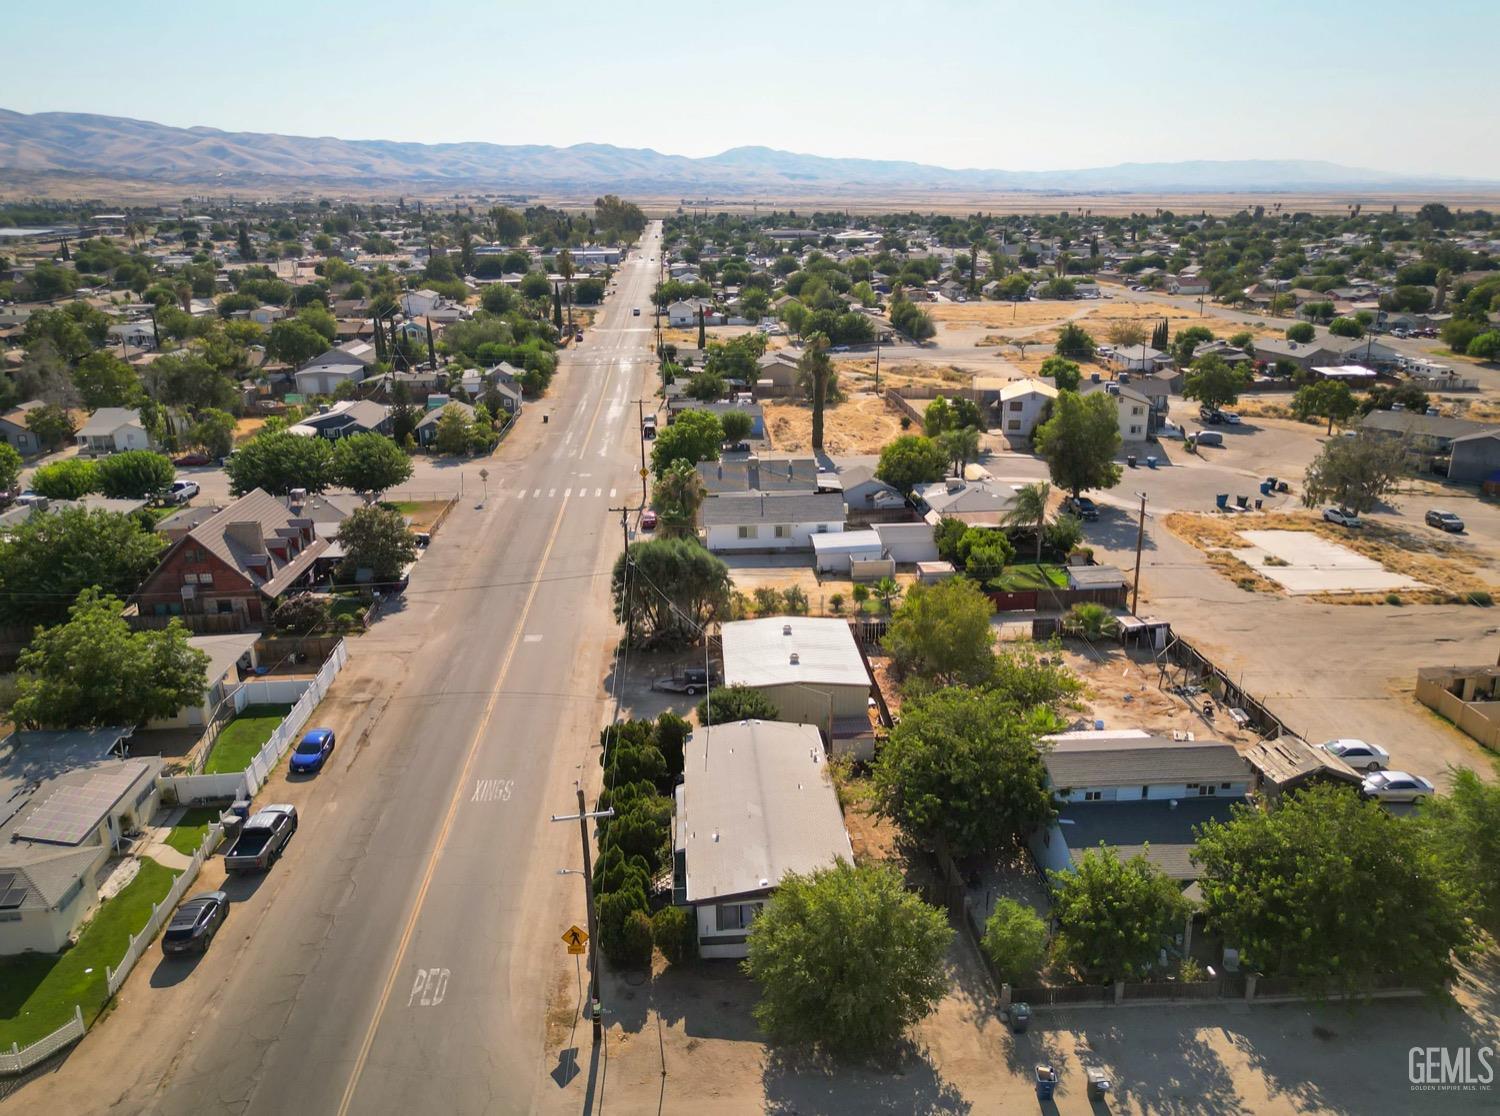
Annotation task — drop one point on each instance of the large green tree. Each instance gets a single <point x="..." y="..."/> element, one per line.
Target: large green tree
<point x="677" y="494"/>
<point x="10" y="467"/>
<point x="369" y="464"/>
<point x="847" y="959"/>
<point x="104" y="380"/>
<point x="376" y="539"/>
<point x="49" y="559"/>
<point x="1075" y="342"/>
<point x="67" y="479"/>
<point x="964" y="767"/>
<point x="279" y="462"/>
<point x="1354" y="473"/>
<point x="668" y="590"/>
<point x="1015" y="940"/>
<point x="942" y="633"/>
<point x="1328" y="399"/>
<point x="93" y="670"/>
<point x="693" y="436"/>
<point x="1463" y="828"/>
<point x="1330" y="890"/>
<point x="1030" y="511"/>
<point x="1115" y="916"/>
<point x="135" y="475"/>
<point x="911" y="460"/>
<point x="1214" y="382"/>
<point x="1079" y="442"/>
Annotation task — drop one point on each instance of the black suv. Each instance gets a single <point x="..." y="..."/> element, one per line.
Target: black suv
<point x="195" y="923"/>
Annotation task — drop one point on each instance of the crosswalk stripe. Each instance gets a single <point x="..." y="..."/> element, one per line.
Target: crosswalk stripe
<point x="535" y="493"/>
<point x="598" y="492"/>
<point x="611" y="493"/>
<point x="551" y="492"/>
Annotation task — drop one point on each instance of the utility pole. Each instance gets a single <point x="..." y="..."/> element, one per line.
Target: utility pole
<point x="624" y="525"/>
<point x="596" y="1007"/>
<point x="877" y="363"/>
<point x="1140" y="540"/>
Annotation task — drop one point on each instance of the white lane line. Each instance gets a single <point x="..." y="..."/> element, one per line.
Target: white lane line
<point x="535" y="493"/>
<point x="611" y="493"/>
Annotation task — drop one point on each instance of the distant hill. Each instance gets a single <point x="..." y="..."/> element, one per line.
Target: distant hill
<point x="82" y="143"/>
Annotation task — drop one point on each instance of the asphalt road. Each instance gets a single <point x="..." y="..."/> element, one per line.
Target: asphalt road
<point x="400" y="957"/>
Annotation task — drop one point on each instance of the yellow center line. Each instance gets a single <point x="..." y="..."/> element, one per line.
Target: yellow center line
<point x="458" y="796"/>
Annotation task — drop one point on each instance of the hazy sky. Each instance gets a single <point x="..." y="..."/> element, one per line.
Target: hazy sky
<point x="1049" y="85"/>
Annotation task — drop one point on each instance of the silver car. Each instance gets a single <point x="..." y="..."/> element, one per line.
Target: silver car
<point x="1396" y="786"/>
<point x="1358" y="754"/>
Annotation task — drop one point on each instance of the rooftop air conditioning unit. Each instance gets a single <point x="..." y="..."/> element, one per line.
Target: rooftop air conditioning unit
<point x="796" y="658"/>
<point x="786" y="629"/>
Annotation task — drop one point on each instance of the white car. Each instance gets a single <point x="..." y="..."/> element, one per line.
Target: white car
<point x="1342" y="518"/>
<point x="181" y="492"/>
<point x="1358" y="754"/>
<point x="1230" y="417"/>
<point x="1395" y="786"/>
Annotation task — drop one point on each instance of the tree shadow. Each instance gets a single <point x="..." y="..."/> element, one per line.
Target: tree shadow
<point x="906" y="1082"/>
<point x="1115" y="529"/>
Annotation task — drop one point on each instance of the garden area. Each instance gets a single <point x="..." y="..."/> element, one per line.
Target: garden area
<point x="38" y="991"/>
<point x="187" y="835"/>
<point x="242" y="738"/>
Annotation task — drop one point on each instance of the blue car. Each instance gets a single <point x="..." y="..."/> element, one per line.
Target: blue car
<point x="311" y="751"/>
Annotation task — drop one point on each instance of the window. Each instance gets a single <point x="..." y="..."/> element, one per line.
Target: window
<point x="225" y="607"/>
<point x="206" y="579"/>
<point x="1224" y="786"/>
<point x="747" y="532"/>
<point x="1013" y="424"/>
<point x="783" y="531"/>
<point x="1017" y="405"/>
<point x="736" y="916"/>
<point x="1135" y="429"/>
<point x="1093" y="796"/>
<point x="1207" y="789"/>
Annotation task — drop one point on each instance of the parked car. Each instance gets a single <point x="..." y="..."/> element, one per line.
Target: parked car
<point x="737" y="447"/>
<point x="1444" y="521"/>
<point x="192" y="459"/>
<point x="648" y="520"/>
<point x="181" y="492"/>
<point x="635" y="311"/>
<point x="839" y="349"/>
<point x="1083" y="507"/>
<point x="1210" y="416"/>
<point x="195" y="923"/>
<point x="1342" y="518"/>
<point x="1358" y="754"/>
<point x="262" y="840"/>
<point x="693" y="680"/>
<point x="1231" y="417"/>
<point x="312" y="751"/>
<point x="1208" y="438"/>
<point x="1395" y="786"/>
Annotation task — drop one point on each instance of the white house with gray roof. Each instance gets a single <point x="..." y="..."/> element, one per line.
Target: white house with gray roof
<point x="769" y="520"/>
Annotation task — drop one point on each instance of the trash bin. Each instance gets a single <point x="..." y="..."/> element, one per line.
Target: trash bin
<point x="1046" y="1082"/>
<point x="1242" y="501"/>
<point x="1130" y="460"/>
<point x="1257" y="505"/>
<point x="1099" y="1085"/>
<point x="1150" y="462"/>
<point x="1265" y="488"/>
<point x="1222" y="499"/>
<point x="1020" y="1017"/>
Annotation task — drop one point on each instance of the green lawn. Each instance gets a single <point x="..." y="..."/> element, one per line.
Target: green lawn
<point x="38" y="991"/>
<point x="243" y="737"/>
<point x="1020" y="579"/>
<point x="188" y="833"/>
<point x="347" y="606"/>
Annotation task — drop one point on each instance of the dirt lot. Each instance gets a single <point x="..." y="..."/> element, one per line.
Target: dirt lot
<point x="994" y="323"/>
<point x="1429" y="558"/>
<point x="861" y="424"/>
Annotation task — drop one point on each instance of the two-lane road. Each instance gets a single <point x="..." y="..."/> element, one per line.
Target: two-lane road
<point x="398" y="959"/>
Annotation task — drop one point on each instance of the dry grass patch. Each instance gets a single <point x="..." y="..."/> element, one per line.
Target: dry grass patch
<point x="1433" y="560"/>
<point x="862" y="424"/>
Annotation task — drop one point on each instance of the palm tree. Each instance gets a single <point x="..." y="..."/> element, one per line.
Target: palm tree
<point x="677" y="495"/>
<point x="814" y="364"/>
<point x="1031" y="511"/>
<point x="960" y="446"/>
<point x="887" y="590"/>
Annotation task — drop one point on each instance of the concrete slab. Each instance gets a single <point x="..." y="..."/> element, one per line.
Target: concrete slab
<point x="1317" y="565"/>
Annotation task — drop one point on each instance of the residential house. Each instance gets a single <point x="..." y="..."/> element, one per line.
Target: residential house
<point x="419" y="304"/>
<point x="346" y="363"/>
<point x="229" y="572"/>
<point x="268" y="315"/>
<point x="1186" y="284"/>
<point x="1136" y="793"/>
<point x="977" y="503"/>
<point x="326" y="510"/>
<point x="1021" y="406"/>
<point x="1229" y="354"/>
<point x="769" y="520"/>
<point x="683" y="314"/>
<point x="113" y="430"/>
<point x="1474" y="458"/>
<point x="865" y="492"/>
<point x="346" y="417"/>
<point x="138" y="335"/>
<point x="1304" y="354"/>
<point x="427" y="426"/>
<point x="735" y="473"/>
<point x="776" y="373"/>
<point x="756" y="802"/>
<point x="1137" y="358"/>
<point x="678" y="403"/>
<point x="1136" y="416"/>
<point x="67" y="801"/>
<point x="1429" y="437"/>
<point x="227" y="654"/>
<point x="14" y="431"/>
<point x="183" y="520"/>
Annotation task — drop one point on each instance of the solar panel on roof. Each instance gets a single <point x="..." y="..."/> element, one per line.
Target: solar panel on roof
<point x="12" y="897"/>
<point x="71" y="812"/>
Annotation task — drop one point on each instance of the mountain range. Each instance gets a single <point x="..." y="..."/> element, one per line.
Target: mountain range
<point x="87" y="144"/>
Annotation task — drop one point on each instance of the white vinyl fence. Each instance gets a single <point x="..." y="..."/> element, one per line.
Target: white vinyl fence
<point x="305" y="695"/>
<point x="18" y="1060"/>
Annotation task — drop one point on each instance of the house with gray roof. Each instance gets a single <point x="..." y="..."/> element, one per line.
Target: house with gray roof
<point x="977" y="503"/>
<point x="734" y="473"/>
<point x="755" y="803"/>
<point x="228" y="573"/>
<point x="346" y="417"/>
<point x="769" y="520"/>
<point x="112" y="430"/>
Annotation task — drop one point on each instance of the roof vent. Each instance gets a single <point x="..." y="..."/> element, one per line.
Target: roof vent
<point x="786" y="629"/>
<point x="796" y="658"/>
<point x="716" y="832"/>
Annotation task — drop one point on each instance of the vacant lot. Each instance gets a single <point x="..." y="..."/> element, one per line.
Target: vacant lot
<point x="243" y="737"/>
<point x="421" y="514"/>
<point x="1451" y="568"/>
<point x="38" y="991"/>
<point x="861" y="424"/>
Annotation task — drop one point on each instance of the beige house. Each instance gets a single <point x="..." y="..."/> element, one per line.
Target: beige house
<point x="810" y="669"/>
<point x="1021" y="405"/>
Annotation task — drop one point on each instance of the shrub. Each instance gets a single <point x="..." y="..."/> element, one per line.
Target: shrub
<point x="635" y="939"/>
<point x="66" y="480"/>
<point x="795" y="599"/>
<point x="836" y="602"/>
<point x="1093" y="620"/>
<point x="300" y="613"/>
<point x="620" y="944"/>
<point x="1479" y="597"/>
<point x="675" y="933"/>
<point x="1015" y="941"/>
<point x="861" y="594"/>
<point x="1393" y="598"/>
<point x="736" y="703"/>
<point x="768" y="600"/>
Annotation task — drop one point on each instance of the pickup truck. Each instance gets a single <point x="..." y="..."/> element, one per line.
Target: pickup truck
<point x="694" y="680"/>
<point x="262" y="839"/>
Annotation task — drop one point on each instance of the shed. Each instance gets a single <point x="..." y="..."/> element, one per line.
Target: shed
<point x="1288" y="763"/>
<point x="835" y="551"/>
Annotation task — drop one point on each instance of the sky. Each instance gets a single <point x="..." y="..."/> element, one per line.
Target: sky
<point x="1046" y="85"/>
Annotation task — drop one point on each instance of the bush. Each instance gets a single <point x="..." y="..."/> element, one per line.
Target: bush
<point x="301" y="613"/>
<point x="1092" y="620"/>
<point x="1064" y="534"/>
<point x="768" y="600"/>
<point x="1015" y="941"/>
<point x="619" y="940"/>
<point x="66" y="480"/>
<point x="836" y="602"/>
<point x="736" y="703"/>
<point x="674" y="931"/>
<point x="635" y="939"/>
<point x="795" y="600"/>
<point x="1479" y="597"/>
<point x="1393" y="598"/>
